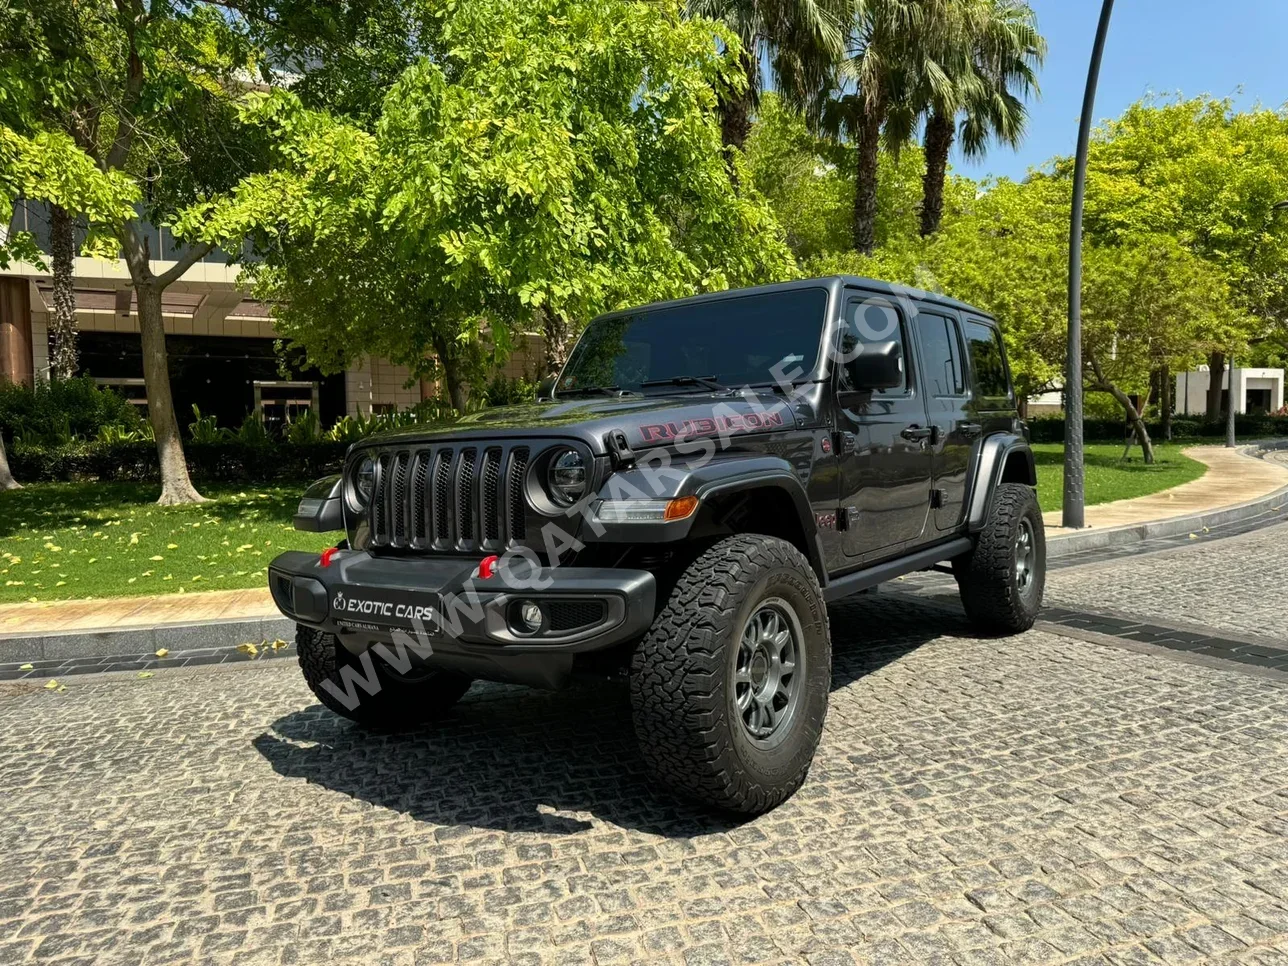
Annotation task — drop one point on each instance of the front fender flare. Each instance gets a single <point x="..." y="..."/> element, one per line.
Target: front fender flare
<point x="715" y="479"/>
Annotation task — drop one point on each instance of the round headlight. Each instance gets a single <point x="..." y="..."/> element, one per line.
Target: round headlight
<point x="364" y="481"/>
<point x="567" y="477"/>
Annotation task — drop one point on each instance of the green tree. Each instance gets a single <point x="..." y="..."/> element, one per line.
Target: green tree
<point x="1211" y="178"/>
<point x="1150" y="304"/>
<point x="560" y="158"/>
<point x="800" y="40"/>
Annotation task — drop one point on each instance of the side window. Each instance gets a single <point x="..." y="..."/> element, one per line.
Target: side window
<point x="988" y="362"/>
<point x="941" y="355"/>
<point x="868" y="321"/>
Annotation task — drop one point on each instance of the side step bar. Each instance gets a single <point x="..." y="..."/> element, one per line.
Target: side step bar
<point x="869" y="577"/>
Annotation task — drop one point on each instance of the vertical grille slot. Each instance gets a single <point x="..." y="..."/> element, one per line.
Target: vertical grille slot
<point x="492" y="497"/>
<point x="380" y="502"/>
<point x="442" y="494"/>
<point x="398" y="504"/>
<point x="514" y="485"/>
<point x="420" y="508"/>
<point x="465" y="496"/>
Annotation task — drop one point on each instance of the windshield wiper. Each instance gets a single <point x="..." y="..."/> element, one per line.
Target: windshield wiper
<point x="601" y="390"/>
<point x="706" y="382"/>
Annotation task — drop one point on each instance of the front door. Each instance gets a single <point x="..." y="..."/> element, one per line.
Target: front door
<point x="939" y="347"/>
<point x="883" y="442"/>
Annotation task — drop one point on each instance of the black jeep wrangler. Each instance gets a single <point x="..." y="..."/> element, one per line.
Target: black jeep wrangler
<point x="695" y="487"/>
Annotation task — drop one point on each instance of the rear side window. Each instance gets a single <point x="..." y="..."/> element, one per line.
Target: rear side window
<point x="987" y="362"/>
<point x="940" y="355"/>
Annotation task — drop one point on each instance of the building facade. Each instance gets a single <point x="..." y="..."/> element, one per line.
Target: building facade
<point x="221" y="343"/>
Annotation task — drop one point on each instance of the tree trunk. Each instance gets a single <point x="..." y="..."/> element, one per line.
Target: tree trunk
<point x="554" y="328"/>
<point x="1165" y="400"/>
<point x="176" y="485"/>
<point x="736" y="107"/>
<point x="1133" y="416"/>
<point x="7" y="482"/>
<point x="1216" y="365"/>
<point x="868" y="176"/>
<point x="449" y="361"/>
<point x="63" y="357"/>
<point x="939" y="142"/>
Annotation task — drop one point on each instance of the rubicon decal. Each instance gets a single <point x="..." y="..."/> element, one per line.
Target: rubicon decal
<point x="710" y="426"/>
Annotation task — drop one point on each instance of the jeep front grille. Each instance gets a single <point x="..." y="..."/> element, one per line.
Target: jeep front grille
<point x="449" y="498"/>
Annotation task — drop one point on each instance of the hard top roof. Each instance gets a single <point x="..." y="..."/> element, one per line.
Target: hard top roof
<point x="894" y="292"/>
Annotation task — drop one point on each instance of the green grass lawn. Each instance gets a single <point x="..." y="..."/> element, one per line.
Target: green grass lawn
<point x="60" y="541"/>
<point x="1108" y="477"/>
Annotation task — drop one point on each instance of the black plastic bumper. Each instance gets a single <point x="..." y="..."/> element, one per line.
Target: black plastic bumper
<point x="456" y="620"/>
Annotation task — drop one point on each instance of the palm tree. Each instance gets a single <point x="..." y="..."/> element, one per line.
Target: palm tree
<point x="890" y="54"/>
<point x="800" y="39"/>
<point x="989" y="52"/>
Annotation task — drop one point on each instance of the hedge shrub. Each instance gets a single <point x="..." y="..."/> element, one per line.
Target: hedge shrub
<point x="54" y="413"/>
<point x="228" y="461"/>
<point x="1050" y="429"/>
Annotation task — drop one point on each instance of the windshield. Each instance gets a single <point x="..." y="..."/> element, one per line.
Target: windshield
<point x="734" y="342"/>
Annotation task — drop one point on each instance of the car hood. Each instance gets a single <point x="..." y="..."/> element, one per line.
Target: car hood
<point x="646" y="421"/>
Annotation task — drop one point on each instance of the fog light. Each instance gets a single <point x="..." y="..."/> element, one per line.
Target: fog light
<point x="531" y="615"/>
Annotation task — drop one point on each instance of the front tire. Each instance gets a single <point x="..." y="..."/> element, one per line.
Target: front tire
<point x="342" y="682"/>
<point x="1003" y="579"/>
<point x="729" y="688"/>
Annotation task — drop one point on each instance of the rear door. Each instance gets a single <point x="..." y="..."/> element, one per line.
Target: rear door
<point x="939" y="346"/>
<point x="882" y="442"/>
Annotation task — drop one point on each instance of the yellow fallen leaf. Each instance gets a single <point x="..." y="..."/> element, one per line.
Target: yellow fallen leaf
<point x="61" y="583"/>
<point x="250" y="649"/>
<point x="53" y="683"/>
<point x="156" y="557"/>
<point x="27" y="667"/>
<point x="134" y="539"/>
<point x="53" y="548"/>
<point x="145" y="674"/>
<point x="93" y="560"/>
<point x="163" y="652"/>
<point x="132" y="580"/>
<point x="1194" y="536"/>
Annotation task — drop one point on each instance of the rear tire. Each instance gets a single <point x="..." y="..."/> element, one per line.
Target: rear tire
<point x="1003" y="579"/>
<point x="396" y="704"/>
<point x="729" y="688"/>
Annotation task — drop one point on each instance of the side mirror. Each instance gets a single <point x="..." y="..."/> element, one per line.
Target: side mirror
<point x="546" y="388"/>
<point x="878" y="366"/>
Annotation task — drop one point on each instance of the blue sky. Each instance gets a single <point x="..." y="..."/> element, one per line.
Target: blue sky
<point x="1220" y="47"/>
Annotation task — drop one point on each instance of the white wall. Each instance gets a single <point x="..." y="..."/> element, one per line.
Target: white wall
<point x="1192" y="387"/>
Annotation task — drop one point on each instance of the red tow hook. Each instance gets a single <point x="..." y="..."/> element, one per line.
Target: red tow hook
<point x="487" y="566"/>
<point x="327" y="555"/>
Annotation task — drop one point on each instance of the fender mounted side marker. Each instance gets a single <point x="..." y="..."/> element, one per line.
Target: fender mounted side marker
<point x="487" y="566"/>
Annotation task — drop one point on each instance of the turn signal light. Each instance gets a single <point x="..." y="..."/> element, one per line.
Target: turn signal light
<point x="680" y="508"/>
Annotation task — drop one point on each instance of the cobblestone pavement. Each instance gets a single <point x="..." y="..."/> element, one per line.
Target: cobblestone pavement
<point x="1237" y="584"/>
<point x="1031" y="800"/>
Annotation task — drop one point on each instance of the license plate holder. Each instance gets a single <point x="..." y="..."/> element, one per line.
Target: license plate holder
<point x="365" y="608"/>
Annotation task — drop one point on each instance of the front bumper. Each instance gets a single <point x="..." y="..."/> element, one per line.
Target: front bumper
<point x="453" y="619"/>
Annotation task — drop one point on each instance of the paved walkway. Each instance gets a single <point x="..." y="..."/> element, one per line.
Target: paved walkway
<point x="1232" y="478"/>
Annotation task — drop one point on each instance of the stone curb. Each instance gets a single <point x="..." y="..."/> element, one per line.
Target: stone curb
<point x="15" y="648"/>
<point x="1068" y="544"/>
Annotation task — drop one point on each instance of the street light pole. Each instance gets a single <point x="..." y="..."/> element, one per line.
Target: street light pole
<point x="1074" y="516"/>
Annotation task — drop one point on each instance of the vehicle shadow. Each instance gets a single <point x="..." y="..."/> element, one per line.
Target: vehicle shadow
<point x="519" y="760"/>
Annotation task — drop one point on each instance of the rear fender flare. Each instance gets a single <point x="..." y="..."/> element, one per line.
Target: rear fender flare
<point x="995" y="454"/>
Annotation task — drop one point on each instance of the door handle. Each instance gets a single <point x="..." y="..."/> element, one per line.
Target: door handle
<point x="917" y="433"/>
<point x="970" y="429"/>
